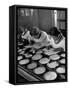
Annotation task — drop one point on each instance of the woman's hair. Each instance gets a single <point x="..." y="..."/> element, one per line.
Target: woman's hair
<point x="54" y="31"/>
<point x="34" y="31"/>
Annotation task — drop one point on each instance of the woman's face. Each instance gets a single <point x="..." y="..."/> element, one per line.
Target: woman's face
<point x="35" y="32"/>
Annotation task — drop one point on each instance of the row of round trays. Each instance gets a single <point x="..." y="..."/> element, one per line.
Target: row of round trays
<point x="40" y="70"/>
<point x="45" y="60"/>
<point x="45" y="51"/>
<point x="49" y="75"/>
<point x="52" y="64"/>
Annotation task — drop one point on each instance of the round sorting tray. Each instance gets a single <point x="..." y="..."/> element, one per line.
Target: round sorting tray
<point x="32" y="65"/>
<point x="37" y="57"/>
<point x="24" y="61"/>
<point x="54" y="57"/>
<point x="39" y="70"/>
<point x="52" y="64"/>
<point x="62" y="61"/>
<point x="44" y="61"/>
<point x="60" y="70"/>
<point x="19" y="57"/>
<point x="63" y="55"/>
<point x="50" y="75"/>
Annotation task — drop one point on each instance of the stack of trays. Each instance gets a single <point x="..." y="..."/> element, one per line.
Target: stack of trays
<point x="41" y="64"/>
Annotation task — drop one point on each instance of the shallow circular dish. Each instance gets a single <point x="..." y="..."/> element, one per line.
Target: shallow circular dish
<point x="54" y="57"/>
<point x="22" y="52"/>
<point x="36" y="57"/>
<point x="20" y="43"/>
<point x="32" y="50"/>
<point x="19" y="57"/>
<point x="50" y="75"/>
<point x="60" y="70"/>
<point x="28" y="55"/>
<point x="39" y="70"/>
<point x="53" y="64"/>
<point x="23" y="62"/>
<point x="50" y="52"/>
<point x="63" y="55"/>
<point x="44" y="61"/>
<point x="32" y="65"/>
<point x="62" y="61"/>
<point x="39" y="52"/>
<point x="19" y="50"/>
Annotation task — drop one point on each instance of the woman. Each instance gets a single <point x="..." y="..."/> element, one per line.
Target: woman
<point x="57" y="40"/>
<point x="39" y="36"/>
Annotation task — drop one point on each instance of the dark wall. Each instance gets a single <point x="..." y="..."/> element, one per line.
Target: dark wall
<point x="28" y="21"/>
<point x="41" y="18"/>
<point x="46" y="20"/>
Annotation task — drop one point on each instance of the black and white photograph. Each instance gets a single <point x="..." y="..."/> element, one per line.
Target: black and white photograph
<point x="41" y="44"/>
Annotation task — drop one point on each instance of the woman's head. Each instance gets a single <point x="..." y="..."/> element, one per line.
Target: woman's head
<point x="34" y="31"/>
<point x="54" y="32"/>
<point x="23" y="30"/>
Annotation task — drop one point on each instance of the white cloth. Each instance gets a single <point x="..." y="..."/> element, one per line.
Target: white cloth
<point x="42" y="37"/>
<point x="61" y="44"/>
<point x="45" y="40"/>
